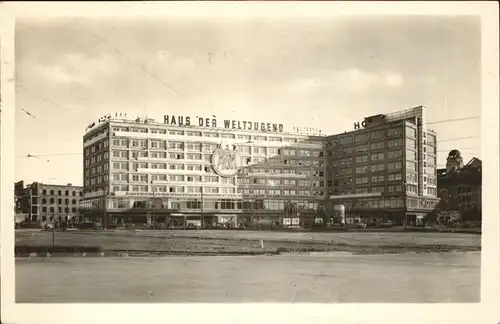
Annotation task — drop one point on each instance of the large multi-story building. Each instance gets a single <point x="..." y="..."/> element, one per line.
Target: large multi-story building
<point x="386" y="170"/>
<point x="244" y="172"/>
<point x="48" y="203"/>
<point x="459" y="187"/>
<point x="173" y="172"/>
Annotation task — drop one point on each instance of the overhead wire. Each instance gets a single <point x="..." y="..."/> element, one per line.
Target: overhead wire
<point x="122" y="55"/>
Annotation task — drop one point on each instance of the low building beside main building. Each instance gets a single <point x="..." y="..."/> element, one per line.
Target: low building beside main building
<point x="460" y="188"/>
<point x="47" y="203"/>
<point x="242" y="172"/>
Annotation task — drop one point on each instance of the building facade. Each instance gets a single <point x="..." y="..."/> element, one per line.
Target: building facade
<point x="459" y="187"/>
<point x="143" y="171"/>
<point x="48" y="203"/>
<point x="176" y="173"/>
<point x="386" y="170"/>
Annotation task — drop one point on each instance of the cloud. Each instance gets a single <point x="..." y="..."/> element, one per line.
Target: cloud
<point x="349" y="80"/>
<point x="393" y="80"/>
<point x="358" y="80"/>
<point x="74" y="69"/>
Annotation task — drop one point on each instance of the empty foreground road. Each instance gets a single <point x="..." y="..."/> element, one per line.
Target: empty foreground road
<point x="329" y="277"/>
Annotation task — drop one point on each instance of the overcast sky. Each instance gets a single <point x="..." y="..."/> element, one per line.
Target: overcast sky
<point x="316" y="72"/>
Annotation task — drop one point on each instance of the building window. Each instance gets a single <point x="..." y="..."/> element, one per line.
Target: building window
<point x="394" y="132"/>
<point x="193" y="147"/>
<point x="346" y="140"/>
<point x="362" y="138"/>
<point x="410" y="188"/>
<point x="362" y="169"/>
<point x="378" y="156"/>
<point x="411" y="143"/>
<point x="59" y="201"/>
<point x="73" y="201"/>
<point x="346" y="161"/>
<point x="394" y="154"/>
<point x="411" y="155"/>
<point x="51" y="200"/>
<point x="394" y="166"/>
<point x="377" y="146"/>
<point x="394" y="143"/>
<point x="411" y="132"/>
<point x="394" y="177"/>
<point x="51" y="209"/>
<point x="52" y="192"/>
<point x="362" y="180"/>
<point x="378" y="167"/>
<point x="361" y="190"/>
<point x="44" y="201"/>
<point x="431" y="139"/>
<point x="411" y="166"/>
<point x="395" y="188"/>
<point x="44" y="209"/>
<point x="361" y="158"/>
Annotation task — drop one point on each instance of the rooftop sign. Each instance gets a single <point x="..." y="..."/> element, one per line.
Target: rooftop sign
<point x="228" y="124"/>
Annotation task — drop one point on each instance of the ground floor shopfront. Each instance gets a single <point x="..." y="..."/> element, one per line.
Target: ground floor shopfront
<point x="379" y="209"/>
<point x="197" y="219"/>
<point x="188" y="210"/>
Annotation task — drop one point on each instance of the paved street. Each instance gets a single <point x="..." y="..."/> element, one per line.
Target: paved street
<point x="433" y="277"/>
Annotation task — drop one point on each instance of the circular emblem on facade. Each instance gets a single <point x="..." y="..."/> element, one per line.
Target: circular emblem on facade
<point x="226" y="161"/>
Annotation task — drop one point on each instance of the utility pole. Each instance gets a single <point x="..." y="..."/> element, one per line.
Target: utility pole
<point x="202" y="217"/>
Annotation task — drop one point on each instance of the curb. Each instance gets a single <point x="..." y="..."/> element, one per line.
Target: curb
<point x="131" y="254"/>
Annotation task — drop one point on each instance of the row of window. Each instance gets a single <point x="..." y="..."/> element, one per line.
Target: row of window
<point x="216" y="204"/>
<point x="217" y="190"/>
<point x="59" y="201"/>
<point x="97" y="158"/>
<point x="206" y="147"/>
<point x="200" y="167"/>
<point x="60" y="192"/>
<point x="390" y="189"/>
<point x="96" y="180"/>
<point x="205" y="134"/>
<point x="95" y="170"/>
<point x="432" y="191"/>
<point x="208" y="157"/>
<point x="60" y="209"/>
<point x="378" y="179"/>
<point x="97" y="147"/>
<point x="393" y="143"/>
<point x="373" y="157"/>
<point x="213" y="179"/>
<point x="379" y="167"/>
<point x="378" y="134"/>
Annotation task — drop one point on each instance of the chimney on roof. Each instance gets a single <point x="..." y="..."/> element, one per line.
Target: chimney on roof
<point x="69" y="184"/>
